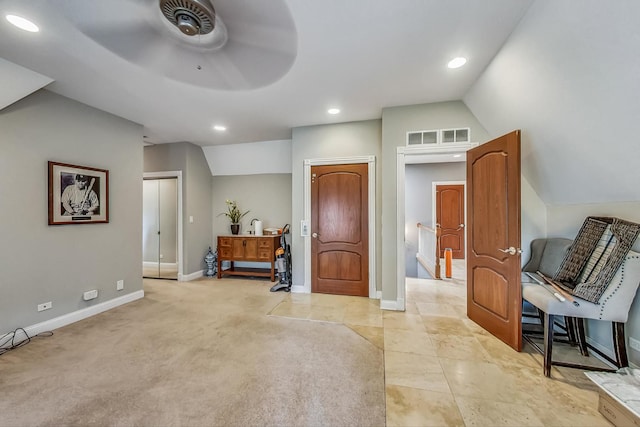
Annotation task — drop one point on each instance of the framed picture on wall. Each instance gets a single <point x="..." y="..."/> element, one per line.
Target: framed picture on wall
<point x="78" y="194"/>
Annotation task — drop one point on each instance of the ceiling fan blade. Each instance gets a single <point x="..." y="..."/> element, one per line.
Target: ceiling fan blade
<point x="258" y="48"/>
<point x="108" y="14"/>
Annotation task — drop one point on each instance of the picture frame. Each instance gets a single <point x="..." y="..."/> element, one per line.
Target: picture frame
<point x="77" y="194"/>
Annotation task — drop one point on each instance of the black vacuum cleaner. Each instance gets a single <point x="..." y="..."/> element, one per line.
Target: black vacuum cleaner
<point x="283" y="262"/>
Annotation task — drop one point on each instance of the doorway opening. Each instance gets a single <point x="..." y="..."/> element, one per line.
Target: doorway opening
<point x="406" y="159"/>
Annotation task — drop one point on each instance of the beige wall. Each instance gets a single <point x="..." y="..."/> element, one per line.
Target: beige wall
<point x="396" y="122"/>
<point x="196" y="197"/>
<point x="42" y="263"/>
<point x="330" y="141"/>
<point x="267" y="197"/>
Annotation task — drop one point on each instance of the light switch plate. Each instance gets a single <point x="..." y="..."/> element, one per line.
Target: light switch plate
<point x="304" y="228"/>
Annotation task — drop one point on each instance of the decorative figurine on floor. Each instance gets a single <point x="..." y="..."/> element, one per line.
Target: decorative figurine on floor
<point x="211" y="260"/>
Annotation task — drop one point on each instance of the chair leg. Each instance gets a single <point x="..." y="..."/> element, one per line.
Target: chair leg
<point x="582" y="339"/>
<point x="619" y="344"/>
<point x="548" y="342"/>
<point x="570" y="324"/>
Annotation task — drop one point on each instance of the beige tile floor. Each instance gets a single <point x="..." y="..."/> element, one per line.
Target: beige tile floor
<point x="441" y="369"/>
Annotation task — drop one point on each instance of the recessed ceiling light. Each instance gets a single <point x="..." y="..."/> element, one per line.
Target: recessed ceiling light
<point x="457" y="62"/>
<point x="333" y="110"/>
<point x="457" y="155"/>
<point x="22" y="23"/>
<point x="220" y="128"/>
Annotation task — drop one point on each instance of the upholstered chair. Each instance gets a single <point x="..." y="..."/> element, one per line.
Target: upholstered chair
<point x="613" y="305"/>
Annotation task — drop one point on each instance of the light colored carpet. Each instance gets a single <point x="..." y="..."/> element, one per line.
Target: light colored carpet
<point x="197" y="353"/>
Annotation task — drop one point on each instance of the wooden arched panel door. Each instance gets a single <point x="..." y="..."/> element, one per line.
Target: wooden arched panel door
<point x="494" y="293"/>
<point x="450" y="216"/>
<point x="340" y="229"/>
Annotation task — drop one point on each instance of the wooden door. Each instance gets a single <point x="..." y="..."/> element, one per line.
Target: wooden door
<point x="245" y="248"/>
<point x="340" y="230"/>
<point x="494" y="295"/>
<point x="450" y="216"/>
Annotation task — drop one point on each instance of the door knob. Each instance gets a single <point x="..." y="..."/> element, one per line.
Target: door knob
<point x="511" y="250"/>
<point x="314" y="235"/>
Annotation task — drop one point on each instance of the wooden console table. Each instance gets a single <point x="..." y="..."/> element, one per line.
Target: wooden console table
<point x="248" y="248"/>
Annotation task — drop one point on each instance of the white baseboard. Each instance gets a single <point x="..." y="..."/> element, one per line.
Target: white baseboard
<point x="603" y="349"/>
<point x="386" y="304"/>
<point x="67" y="319"/>
<point x="609" y="352"/>
<point x="378" y="295"/>
<point x="188" y="277"/>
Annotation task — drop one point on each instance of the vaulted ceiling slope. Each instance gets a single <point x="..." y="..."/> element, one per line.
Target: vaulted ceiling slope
<point x="569" y="77"/>
<point x="18" y="82"/>
<point x="358" y="55"/>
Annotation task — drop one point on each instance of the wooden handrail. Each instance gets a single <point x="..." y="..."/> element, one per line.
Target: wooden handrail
<point x="426" y="227"/>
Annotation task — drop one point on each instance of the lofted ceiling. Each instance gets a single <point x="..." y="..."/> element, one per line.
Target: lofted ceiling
<point x="568" y="77"/>
<point x="282" y="63"/>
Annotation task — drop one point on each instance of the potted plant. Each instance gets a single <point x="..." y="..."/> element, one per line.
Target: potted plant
<point x="234" y="214"/>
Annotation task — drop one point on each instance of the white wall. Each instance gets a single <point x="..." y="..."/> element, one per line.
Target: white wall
<point x="42" y="263"/>
<point x="533" y="218"/>
<point x="568" y="77"/>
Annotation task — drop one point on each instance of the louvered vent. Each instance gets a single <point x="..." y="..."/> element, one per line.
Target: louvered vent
<point x="192" y="17"/>
<point x="439" y="136"/>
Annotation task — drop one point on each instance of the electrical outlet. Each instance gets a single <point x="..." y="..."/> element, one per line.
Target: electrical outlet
<point x="45" y="306"/>
<point x="89" y="295"/>
<point x="634" y="344"/>
<point x="119" y="285"/>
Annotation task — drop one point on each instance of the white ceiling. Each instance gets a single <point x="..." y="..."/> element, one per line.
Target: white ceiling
<point x="358" y="55"/>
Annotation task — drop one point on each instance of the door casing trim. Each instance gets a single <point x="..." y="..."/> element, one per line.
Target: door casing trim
<point x="178" y="176"/>
<point x="371" y="172"/>
<point x="406" y="155"/>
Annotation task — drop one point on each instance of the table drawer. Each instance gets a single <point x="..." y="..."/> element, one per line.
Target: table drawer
<point x="224" y="252"/>
<point x="265" y="254"/>
<point x="225" y="241"/>
<point x="264" y="243"/>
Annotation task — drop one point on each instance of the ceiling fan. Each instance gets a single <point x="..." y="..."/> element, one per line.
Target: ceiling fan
<point x="238" y="45"/>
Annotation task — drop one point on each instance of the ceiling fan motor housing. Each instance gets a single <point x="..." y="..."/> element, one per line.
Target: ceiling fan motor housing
<point x="192" y="17"/>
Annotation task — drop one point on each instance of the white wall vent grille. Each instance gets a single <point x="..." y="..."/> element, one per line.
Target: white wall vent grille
<point x="438" y="136"/>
